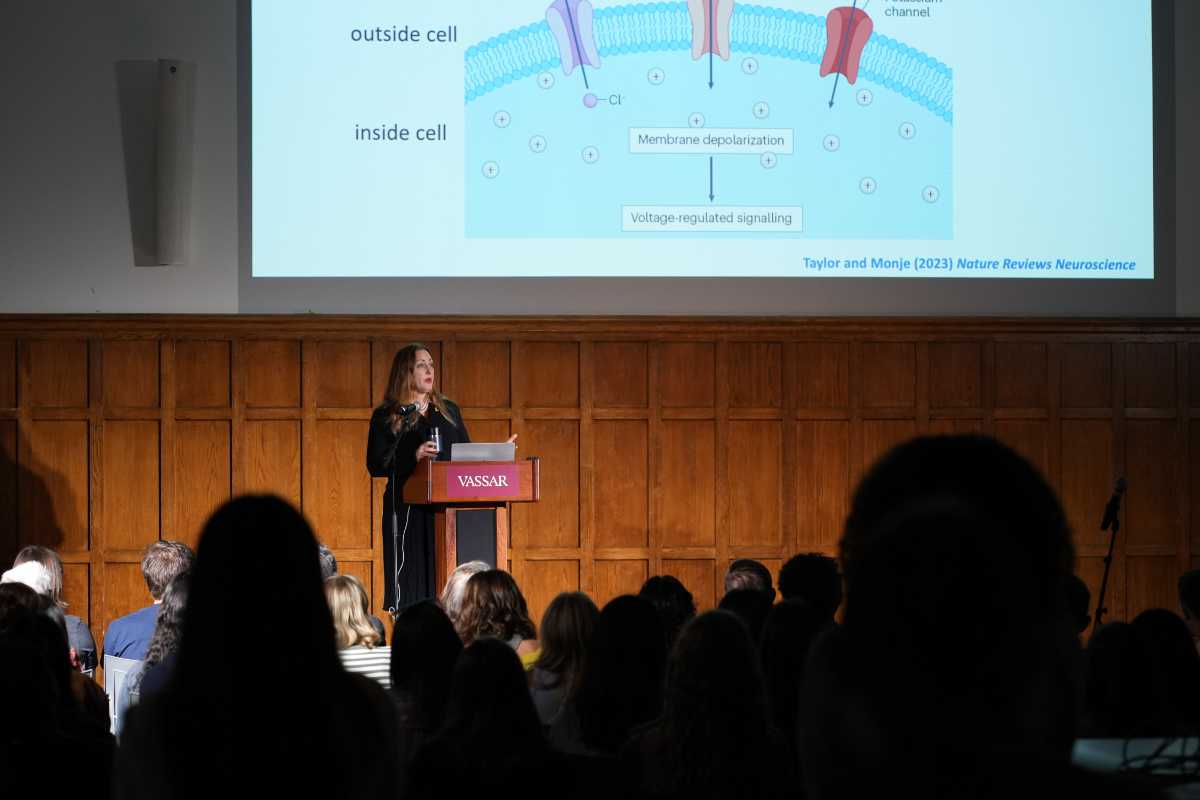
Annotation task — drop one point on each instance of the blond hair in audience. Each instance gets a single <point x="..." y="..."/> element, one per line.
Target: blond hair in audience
<point x="348" y="604"/>
<point x="452" y="594"/>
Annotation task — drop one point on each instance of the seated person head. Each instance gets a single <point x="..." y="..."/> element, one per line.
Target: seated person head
<point x="329" y="566"/>
<point x="814" y="579"/>
<point x="48" y="559"/>
<point x="452" y="593"/>
<point x="672" y="601"/>
<point x="746" y="573"/>
<point x="162" y="562"/>
<point x="956" y="554"/>
<point x="750" y="606"/>
<point x="349" y="605"/>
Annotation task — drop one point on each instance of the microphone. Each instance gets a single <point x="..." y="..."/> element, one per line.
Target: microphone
<point x="404" y="411"/>
<point x="1114" y="505"/>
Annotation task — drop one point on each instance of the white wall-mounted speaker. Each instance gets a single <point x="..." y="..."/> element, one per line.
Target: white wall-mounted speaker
<point x="175" y="138"/>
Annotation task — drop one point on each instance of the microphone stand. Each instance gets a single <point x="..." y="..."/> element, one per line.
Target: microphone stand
<point x="1110" y="522"/>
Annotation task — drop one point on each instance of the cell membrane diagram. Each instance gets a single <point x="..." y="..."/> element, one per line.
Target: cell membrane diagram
<point x="706" y="118"/>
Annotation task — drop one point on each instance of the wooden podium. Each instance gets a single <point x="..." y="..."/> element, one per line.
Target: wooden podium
<point x="481" y="489"/>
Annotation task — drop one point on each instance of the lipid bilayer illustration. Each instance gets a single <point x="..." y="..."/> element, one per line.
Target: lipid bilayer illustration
<point x="707" y="118"/>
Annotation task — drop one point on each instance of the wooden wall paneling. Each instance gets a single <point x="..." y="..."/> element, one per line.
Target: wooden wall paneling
<point x="547" y="372"/>
<point x="587" y="464"/>
<point x="620" y="375"/>
<point x="1151" y="582"/>
<point x="272" y="454"/>
<point x="1149" y="375"/>
<point x="821" y="375"/>
<point x="493" y="430"/>
<point x="203" y="475"/>
<point x="955" y="375"/>
<point x="1030" y="439"/>
<point x="954" y="426"/>
<point x="53" y="484"/>
<point x="8" y="373"/>
<point x="131" y="373"/>
<point x="339" y="502"/>
<point x="1086" y="375"/>
<point x="685" y="484"/>
<point x="1151" y="522"/>
<point x="620" y="483"/>
<point x="756" y="374"/>
<point x="8" y="491"/>
<point x="343" y="374"/>
<point x="544" y="580"/>
<point x="722" y="506"/>
<point x="700" y="576"/>
<point x="272" y="372"/>
<point x="788" y="526"/>
<point x="481" y="374"/>
<point x="203" y="373"/>
<point x="889" y="374"/>
<point x="755" y="484"/>
<point x="58" y="372"/>
<point x="77" y="587"/>
<point x="130" y="484"/>
<point x="615" y="577"/>
<point x="881" y="435"/>
<point x="1087" y="479"/>
<point x="554" y="521"/>
<point x="822" y="483"/>
<point x="687" y="374"/>
<point x="654" y="498"/>
<point x="1020" y="374"/>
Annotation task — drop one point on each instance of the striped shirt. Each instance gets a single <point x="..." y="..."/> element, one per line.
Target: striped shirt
<point x="370" y="662"/>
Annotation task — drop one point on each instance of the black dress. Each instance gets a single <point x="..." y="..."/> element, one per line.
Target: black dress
<point x="408" y="551"/>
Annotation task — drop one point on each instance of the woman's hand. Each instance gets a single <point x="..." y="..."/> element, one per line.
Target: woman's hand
<point x="512" y="439"/>
<point x="426" y="450"/>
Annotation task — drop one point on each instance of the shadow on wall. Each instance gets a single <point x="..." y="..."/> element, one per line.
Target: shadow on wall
<point x="28" y="495"/>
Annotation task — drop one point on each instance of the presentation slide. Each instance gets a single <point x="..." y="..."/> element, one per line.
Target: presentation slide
<point x="788" y="138"/>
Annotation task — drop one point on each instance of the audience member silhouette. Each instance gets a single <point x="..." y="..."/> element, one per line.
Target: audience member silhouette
<point x="790" y="629"/>
<point x="814" y="579"/>
<point x="621" y="685"/>
<point x="242" y="711"/>
<point x="566" y="629"/>
<point x="746" y="573"/>
<point x="952" y="671"/>
<point x="1175" y="670"/>
<point x="714" y="738"/>
<point x="751" y="606"/>
<point x="491" y="742"/>
<point x="494" y="606"/>
<point x="46" y="729"/>
<point x="425" y="648"/>
<point x="79" y="636"/>
<point x="672" y="601"/>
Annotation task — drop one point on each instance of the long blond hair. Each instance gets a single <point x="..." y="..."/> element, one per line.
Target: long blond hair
<point x="400" y="386"/>
<point x="348" y="604"/>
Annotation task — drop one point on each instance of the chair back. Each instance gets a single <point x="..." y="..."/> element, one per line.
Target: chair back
<point x="116" y="672"/>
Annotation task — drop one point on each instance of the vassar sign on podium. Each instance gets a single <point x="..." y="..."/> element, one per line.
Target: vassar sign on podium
<point x="471" y="506"/>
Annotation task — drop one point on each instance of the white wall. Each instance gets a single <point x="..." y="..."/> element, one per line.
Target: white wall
<point x="64" y="224"/>
<point x="65" y="244"/>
